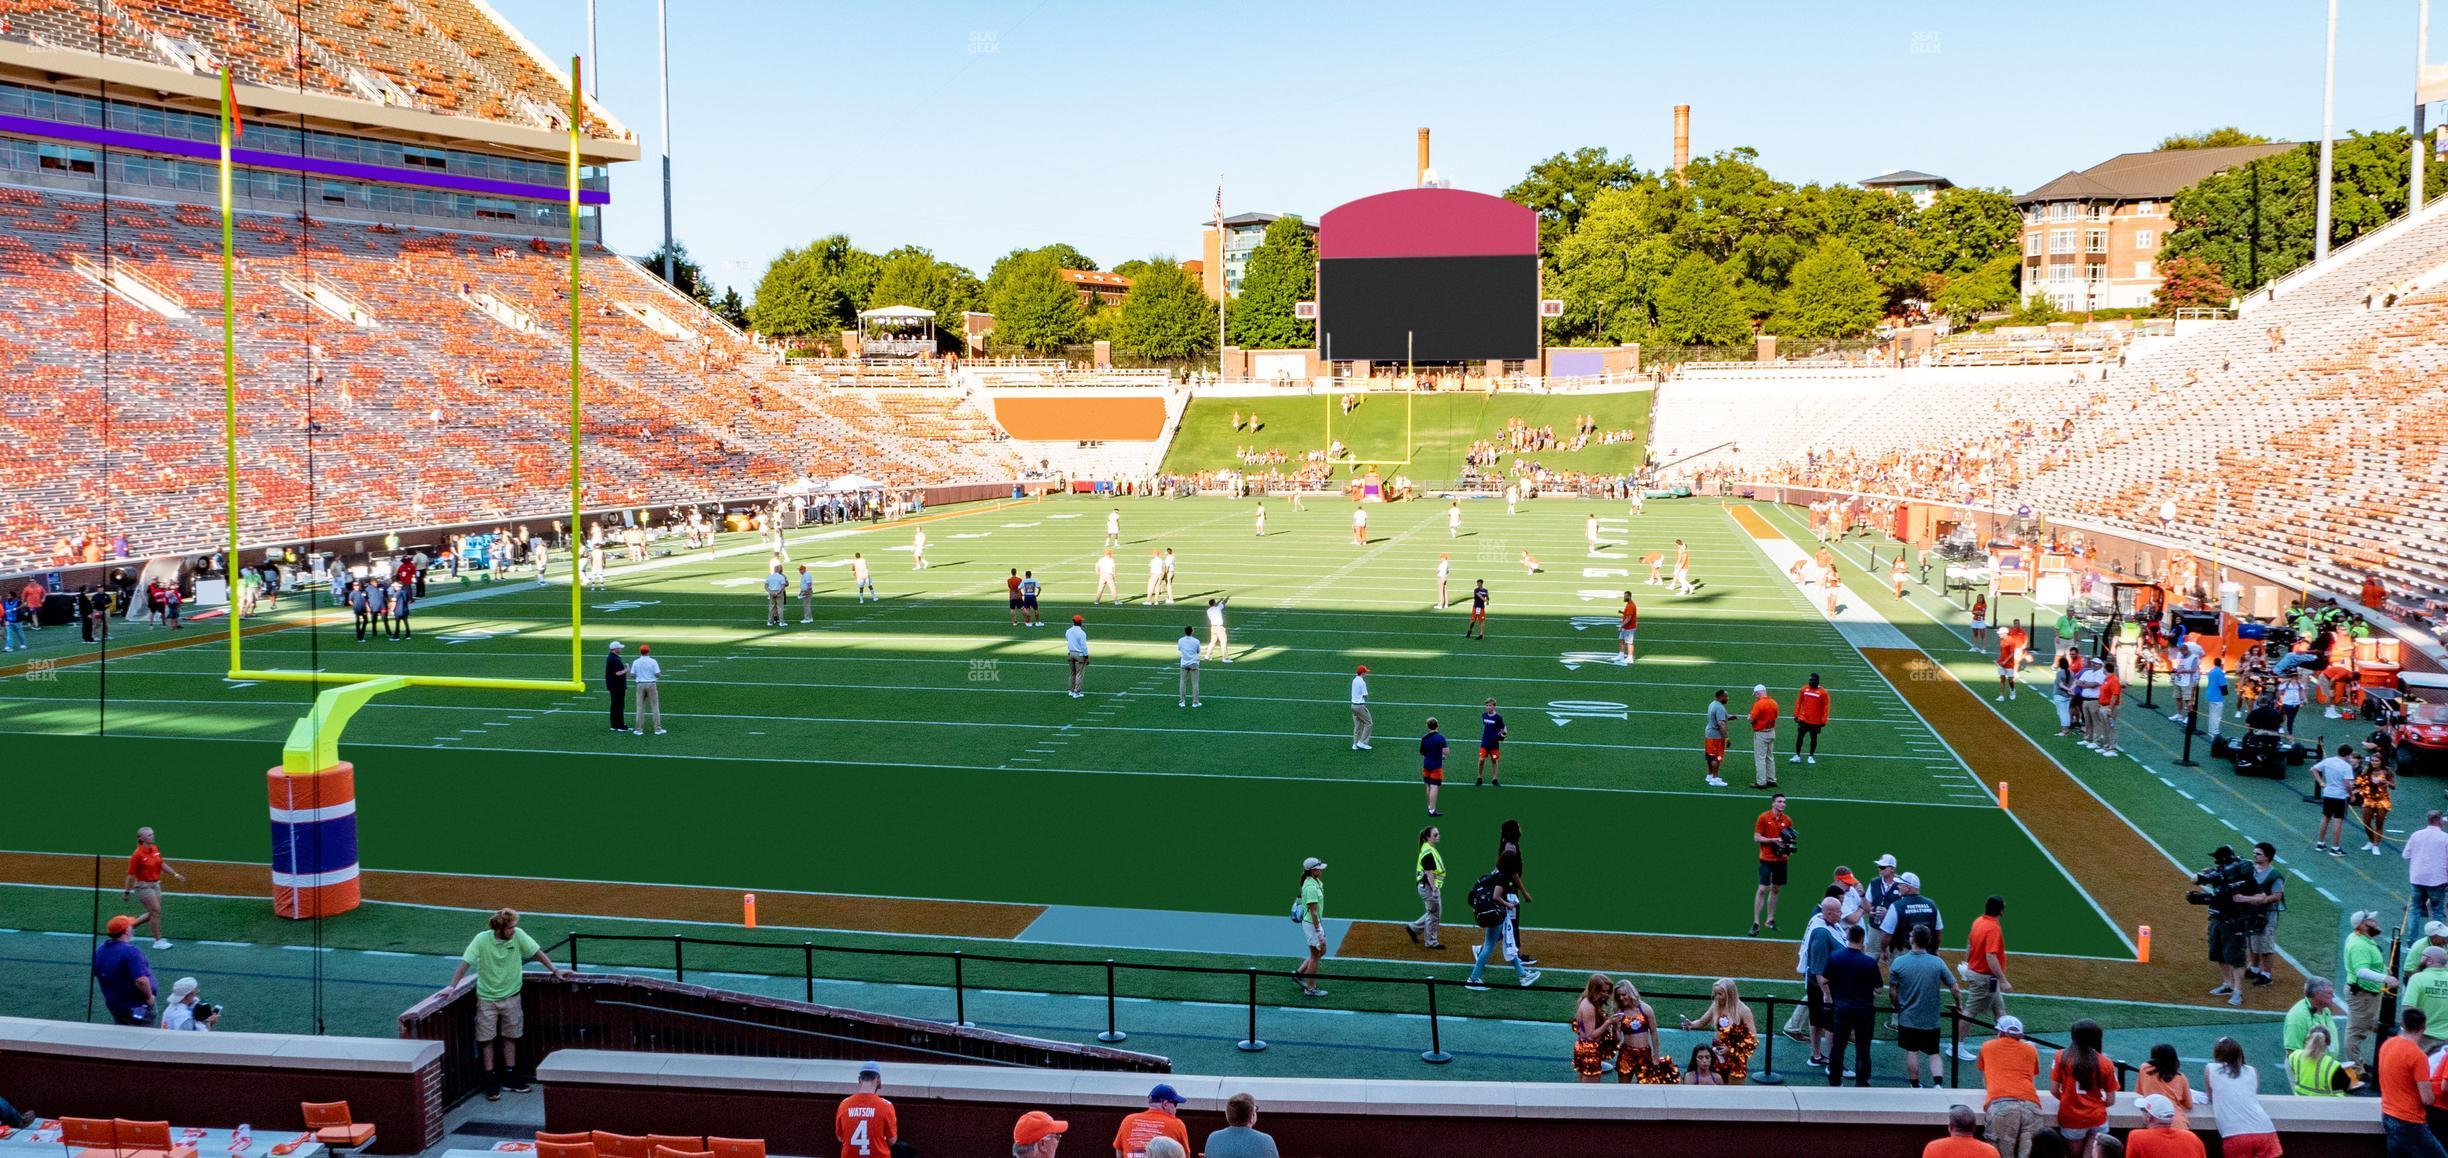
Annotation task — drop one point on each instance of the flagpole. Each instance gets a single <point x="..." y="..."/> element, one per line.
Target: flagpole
<point x="576" y="378"/>
<point x="1223" y="291"/>
<point x="229" y="364"/>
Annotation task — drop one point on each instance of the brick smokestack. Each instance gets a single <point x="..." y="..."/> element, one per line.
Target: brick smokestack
<point x="1682" y="141"/>
<point x="1421" y="177"/>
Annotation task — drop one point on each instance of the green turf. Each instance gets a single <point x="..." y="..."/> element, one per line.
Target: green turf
<point x="922" y="747"/>
<point x="1443" y="427"/>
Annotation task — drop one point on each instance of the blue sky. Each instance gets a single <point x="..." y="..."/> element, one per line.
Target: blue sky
<point x="973" y="127"/>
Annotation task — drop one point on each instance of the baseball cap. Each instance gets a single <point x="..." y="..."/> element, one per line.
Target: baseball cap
<point x="1312" y="863"/>
<point x="182" y="987"/>
<point x="866" y="1068"/>
<point x="1363" y="669"/>
<point x="2435" y="929"/>
<point x="616" y="645"/>
<point x="1886" y="860"/>
<point x="1164" y="1092"/>
<point x="1759" y="689"/>
<point x="120" y="925"/>
<point x="1035" y="1126"/>
<point x="2010" y="1025"/>
<point x="1077" y="619"/>
<point x="1913" y="879"/>
<point x="2360" y="916"/>
<point x="2156" y="1106"/>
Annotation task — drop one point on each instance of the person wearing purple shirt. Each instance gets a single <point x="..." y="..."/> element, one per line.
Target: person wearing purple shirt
<point x="124" y="976"/>
<point x="1432" y="763"/>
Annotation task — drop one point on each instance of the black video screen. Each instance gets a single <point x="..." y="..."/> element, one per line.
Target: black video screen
<point x="1453" y="309"/>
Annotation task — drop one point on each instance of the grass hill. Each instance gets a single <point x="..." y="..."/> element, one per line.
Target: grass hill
<point x="1444" y="425"/>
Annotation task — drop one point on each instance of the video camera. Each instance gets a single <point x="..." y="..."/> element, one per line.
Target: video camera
<point x="2217" y="886"/>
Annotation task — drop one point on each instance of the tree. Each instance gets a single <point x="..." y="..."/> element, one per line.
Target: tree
<point x="1832" y="295"/>
<point x="1964" y="229"/>
<point x="2254" y="221"/>
<point x="2192" y="283"/>
<point x="912" y="276"/>
<point x="1696" y="305"/>
<point x="1165" y="314"/>
<point x="816" y="291"/>
<point x="1034" y="308"/>
<point x="2218" y="138"/>
<point x="1966" y="297"/>
<point x="1281" y="271"/>
<point x="2038" y="310"/>
<point x="731" y="309"/>
<point x="1562" y="187"/>
<point x="687" y="276"/>
<point x="1608" y="270"/>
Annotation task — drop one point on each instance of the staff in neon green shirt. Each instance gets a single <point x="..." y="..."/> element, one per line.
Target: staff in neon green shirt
<point x="498" y="955"/>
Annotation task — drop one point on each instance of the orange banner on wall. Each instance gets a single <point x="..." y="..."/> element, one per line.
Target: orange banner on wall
<point x="1137" y="418"/>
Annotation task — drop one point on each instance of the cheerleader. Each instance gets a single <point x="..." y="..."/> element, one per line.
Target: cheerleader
<point x="1980" y="623"/>
<point x="1590" y="1024"/>
<point x="1729" y="1017"/>
<point x="2374" y="785"/>
<point x="1637" y="1056"/>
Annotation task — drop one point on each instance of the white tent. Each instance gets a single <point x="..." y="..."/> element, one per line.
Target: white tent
<point x="855" y="482"/>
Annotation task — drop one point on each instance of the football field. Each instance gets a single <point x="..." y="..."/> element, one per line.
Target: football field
<point x="920" y="747"/>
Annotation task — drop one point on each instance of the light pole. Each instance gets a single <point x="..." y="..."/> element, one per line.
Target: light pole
<point x="2320" y="224"/>
<point x="2414" y="166"/>
<point x="663" y="70"/>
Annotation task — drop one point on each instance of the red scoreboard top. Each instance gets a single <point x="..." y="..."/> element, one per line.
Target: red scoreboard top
<point x="1428" y="222"/>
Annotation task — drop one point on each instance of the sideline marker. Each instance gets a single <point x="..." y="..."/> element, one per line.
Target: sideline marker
<point x="2002" y="794"/>
<point x="748" y="909"/>
<point x="2142" y="945"/>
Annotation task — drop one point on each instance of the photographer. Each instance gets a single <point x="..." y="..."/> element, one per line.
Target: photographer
<point x="185" y="1012"/>
<point x="2221" y="889"/>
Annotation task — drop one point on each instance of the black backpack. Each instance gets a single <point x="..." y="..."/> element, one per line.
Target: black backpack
<point x="1487" y="907"/>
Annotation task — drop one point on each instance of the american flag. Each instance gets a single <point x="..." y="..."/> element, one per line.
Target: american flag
<point x="1219" y="206"/>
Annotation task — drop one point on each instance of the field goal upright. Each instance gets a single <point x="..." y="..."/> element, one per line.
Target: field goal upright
<point x="312" y="792"/>
<point x="1334" y="405"/>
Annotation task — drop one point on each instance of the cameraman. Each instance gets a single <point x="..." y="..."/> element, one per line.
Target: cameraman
<point x="2231" y="920"/>
<point x="185" y="1012"/>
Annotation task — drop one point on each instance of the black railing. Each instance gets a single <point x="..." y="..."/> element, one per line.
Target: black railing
<point x="1110" y="969"/>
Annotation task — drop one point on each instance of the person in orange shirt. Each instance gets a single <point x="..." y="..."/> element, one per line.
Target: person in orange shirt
<point x="1773" y="833"/>
<point x="1962" y="1137"/>
<point x="1984" y="969"/>
<point x="2008" y="1065"/>
<point x="864" y="1124"/>
<point x="1629" y="623"/>
<point x="144" y="874"/>
<point x="2085" y="1082"/>
<point x="1810" y="715"/>
<point x="1162" y="1119"/>
<point x="2104" y="712"/>
<point x="2408" y="1089"/>
<point x="1763" y="737"/>
<point x="2013" y="644"/>
<point x="2159" y="1136"/>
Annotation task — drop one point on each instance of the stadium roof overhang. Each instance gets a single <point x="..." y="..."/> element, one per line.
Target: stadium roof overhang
<point x="256" y="101"/>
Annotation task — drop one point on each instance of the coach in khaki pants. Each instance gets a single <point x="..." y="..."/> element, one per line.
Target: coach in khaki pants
<point x="1362" y="724"/>
<point x="646" y="674"/>
<point x="1763" y="737"/>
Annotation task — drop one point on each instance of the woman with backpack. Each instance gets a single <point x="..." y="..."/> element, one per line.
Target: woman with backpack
<point x="1509" y="861"/>
<point x="1492" y="901"/>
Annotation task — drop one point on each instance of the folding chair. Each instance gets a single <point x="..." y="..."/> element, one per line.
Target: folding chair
<point x="97" y="1137"/>
<point x="333" y="1126"/>
<point x="148" y="1138"/>
<point x="610" y="1145"/>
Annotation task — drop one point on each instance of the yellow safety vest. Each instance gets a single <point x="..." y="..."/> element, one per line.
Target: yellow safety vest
<point x="2313" y="1077"/>
<point x="1436" y="860"/>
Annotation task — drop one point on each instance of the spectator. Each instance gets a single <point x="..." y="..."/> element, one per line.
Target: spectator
<point x="1962" y="1137"/>
<point x="14" y="1118"/>
<point x="1362" y="723"/>
<point x="1162" y="1119"/>
<point x="1916" y="980"/>
<point x="1737" y="1032"/>
<point x="2427" y="990"/>
<point x="2367" y="977"/>
<point x="2008" y="1066"/>
<point x="1984" y="977"/>
<point x="1075" y="648"/>
<point x="498" y="955"/>
<point x="616" y="683"/>
<point x="2426" y="857"/>
<point x="1037" y="1134"/>
<point x="865" y="1123"/>
<point x="647" y="674"/>
<point x="2085" y="1082"/>
<point x="2233" y="1091"/>
<point x="2159" y="1135"/>
<point x="2164" y="1075"/>
<point x="1852" y="981"/>
<point x="1240" y="1137"/>
<point x="2336" y="777"/>
<point x="2268" y="894"/>
<point x="2214" y="693"/>
<point x="1819" y="943"/>
<point x="2407" y="1092"/>
<point x="2319" y="1007"/>
<point x="124" y="976"/>
<point x="184" y="1012"/>
<point x="2313" y="1073"/>
<point x="2434" y="933"/>
<point x="1166" y="1148"/>
<point x="1497" y="938"/>
<point x="144" y="874"/>
<point x="1310" y="912"/>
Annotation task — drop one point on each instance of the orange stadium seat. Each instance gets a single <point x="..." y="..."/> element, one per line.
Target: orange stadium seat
<point x="333" y="1127"/>
<point x="610" y="1145"/>
<point x="736" y="1147"/>
<point x="546" y="1149"/>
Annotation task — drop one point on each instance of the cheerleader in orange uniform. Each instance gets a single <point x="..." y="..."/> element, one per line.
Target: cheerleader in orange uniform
<point x="1590" y="1022"/>
<point x="1737" y="1035"/>
<point x="2374" y="788"/>
<point x="1637" y="1057"/>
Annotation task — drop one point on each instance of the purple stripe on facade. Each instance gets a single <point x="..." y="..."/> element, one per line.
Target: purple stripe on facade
<point x="319" y="166"/>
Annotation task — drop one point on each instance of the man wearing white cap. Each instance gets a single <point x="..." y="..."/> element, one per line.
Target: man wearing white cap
<point x="1878" y="893"/>
<point x="2434" y="933"/>
<point x="2426" y="990"/>
<point x="1910" y="910"/>
<point x="2367" y="977"/>
<point x="616" y="682"/>
<point x="2008" y="1065"/>
<point x="181" y="1012"/>
<point x="2158" y="1136"/>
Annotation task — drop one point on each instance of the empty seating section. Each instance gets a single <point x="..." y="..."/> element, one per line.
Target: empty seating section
<point x="2306" y="437"/>
<point x="436" y="413"/>
<point x="444" y="56"/>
